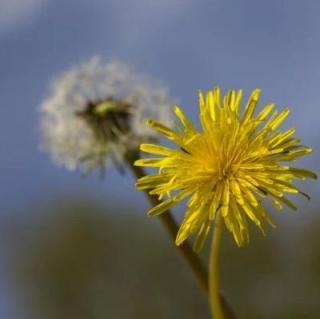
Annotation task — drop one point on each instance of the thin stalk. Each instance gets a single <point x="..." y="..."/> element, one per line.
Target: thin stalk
<point x="196" y="265"/>
<point x="214" y="296"/>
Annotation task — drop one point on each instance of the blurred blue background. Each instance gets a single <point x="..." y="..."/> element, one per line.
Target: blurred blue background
<point x="189" y="45"/>
<point x="186" y="44"/>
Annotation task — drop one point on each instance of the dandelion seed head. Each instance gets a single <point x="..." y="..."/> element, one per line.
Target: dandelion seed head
<point x="231" y="167"/>
<point x="70" y="130"/>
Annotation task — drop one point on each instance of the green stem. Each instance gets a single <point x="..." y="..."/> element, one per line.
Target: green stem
<point x="214" y="296"/>
<point x="169" y="223"/>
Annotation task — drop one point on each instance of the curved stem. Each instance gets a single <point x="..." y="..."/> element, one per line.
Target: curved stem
<point x="214" y="297"/>
<point x="169" y="223"/>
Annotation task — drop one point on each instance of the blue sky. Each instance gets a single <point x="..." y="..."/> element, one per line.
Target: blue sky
<point x="186" y="44"/>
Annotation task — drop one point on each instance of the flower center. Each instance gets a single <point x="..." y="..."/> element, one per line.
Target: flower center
<point x="108" y="119"/>
<point x="227" y="171"/>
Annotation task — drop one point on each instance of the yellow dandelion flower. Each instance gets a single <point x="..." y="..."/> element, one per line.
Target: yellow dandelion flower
<point x="237" y="159"/>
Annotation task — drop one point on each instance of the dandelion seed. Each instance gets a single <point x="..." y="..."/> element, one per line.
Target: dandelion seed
<point x="95" y="113"/>
<point x="228" y="168"/>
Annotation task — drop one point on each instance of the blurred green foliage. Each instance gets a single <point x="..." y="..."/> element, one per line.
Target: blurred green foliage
<point x="84" y="260"/>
